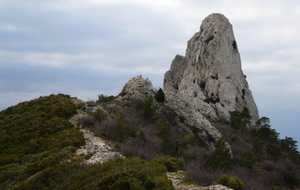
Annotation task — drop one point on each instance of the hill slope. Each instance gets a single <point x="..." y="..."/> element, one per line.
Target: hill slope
<point x="205" y="122"/>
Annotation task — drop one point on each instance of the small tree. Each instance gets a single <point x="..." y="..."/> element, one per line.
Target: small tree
<point x="290" y="178"/>
<point x="123" y="130"/>
<point x="221" y="158"/>
<point x="246" y="159"/>
<point x="100" y="115"/>
<point x="159" y="95"/>
<point x="164" y="132"/>
<point x="265" y="131"/>
<point x="239" y="120"/>
<point x="274" y="151"/>
<point x="147" y="108"/>
<point x="231" y="182"/>
<point x="289" y="144"/>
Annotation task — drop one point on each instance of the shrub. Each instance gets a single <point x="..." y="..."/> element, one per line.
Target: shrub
<point x="88" y="156"/>
<point x="147" y="108"/>
<point x="258" y="145"/>
<point x="221" y="157"/>
<point x="290" y="178"/>
<point x="172" y="164"/>
<point x="231" y="182"/>
<point x="246" y="159"/>
<point x="36" y="135"/>
<point x="100" y="115"/>
<point x="159" y="95"/>
<point x="164" y="132"/>
<point x="265" y="131"/>
<point x="104" y="98"/>
<point x="123" y="130"/>
<point x="274" y="151"/>
<point x="289" y="144"/>
<point x="238" y="120"/>
<point x="198" y="172"/>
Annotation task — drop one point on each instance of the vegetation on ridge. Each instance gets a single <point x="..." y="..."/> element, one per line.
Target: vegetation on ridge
<point x="36" y="135"/>
<point x="39" y="142"/>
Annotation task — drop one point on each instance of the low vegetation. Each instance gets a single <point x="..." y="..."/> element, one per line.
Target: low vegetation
<point x="36" y="136"/>
<point x="131" y="173"/>
<point x="38" y="144"/>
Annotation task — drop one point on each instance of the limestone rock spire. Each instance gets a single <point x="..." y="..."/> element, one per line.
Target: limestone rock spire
<point x="210" y="75"/>
<point x="208" y="82"/>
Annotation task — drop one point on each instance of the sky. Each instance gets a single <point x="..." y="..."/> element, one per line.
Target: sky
<point x="92" y="47"/>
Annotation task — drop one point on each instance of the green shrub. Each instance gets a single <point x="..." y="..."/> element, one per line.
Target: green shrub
<point x="258" y="145"/>
<point x="123" y="130"/>
<point x="36" y="135"/>
<point x="147" y="108"/>
<point x="246" y="159"/>
<point x="231" y="182"/>
<point x="172" y="164"/>
<point x="274" y="151"/>
<point x="290" y="178"/>
<point x="289" y="144"/>
<point x="104" y="98"/>
<point x="88" y="156"/>
<point x="265" y="131"/>
<point x="129" y="173"/>
<point x="159" y="95"/>
<point x="239" y="120"/>
<point x="164" y="132"/>
<point x="221" y="157"/>
<point x="100" y="115"/>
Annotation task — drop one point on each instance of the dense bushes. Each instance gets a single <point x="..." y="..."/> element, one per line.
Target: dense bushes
<point x="140" y="129"/>
<point x="221" y="157"/>
<point x="260" y="159"/>
<point x="231" y="182"/>
<point x="36" y="135"/>
<point x="172" y="164"/>
<point x="34" y="151"/>
<point x="130" y="173"/>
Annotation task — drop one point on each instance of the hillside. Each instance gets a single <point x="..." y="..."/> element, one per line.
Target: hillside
<point x="203" y="127"/>
<point x="39" y="145"/>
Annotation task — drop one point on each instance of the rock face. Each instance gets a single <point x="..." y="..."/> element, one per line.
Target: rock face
<point x="209" y="77"/>
<point x="208" y="82"/>
<point x="136" y="88"/>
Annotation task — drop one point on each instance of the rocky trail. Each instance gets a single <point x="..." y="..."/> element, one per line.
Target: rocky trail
<point x="179" y="183"/>
<point x="96" y="147"/>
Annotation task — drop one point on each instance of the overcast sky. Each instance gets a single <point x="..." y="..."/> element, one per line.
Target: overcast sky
<point x="92" y="47"/>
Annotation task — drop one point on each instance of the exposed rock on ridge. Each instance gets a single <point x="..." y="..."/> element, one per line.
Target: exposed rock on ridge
<point x="136" y="88"/>
<point x="210" y="77"/>
<point x="207" y="82"/>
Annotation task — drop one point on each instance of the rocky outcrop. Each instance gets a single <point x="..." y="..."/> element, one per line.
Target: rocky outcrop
<point x="137" y="88"/>
<point x="208" y="81"/>
<point x="190" y="116"/>
<point x="210" y="76"/>
<point x="178" y="178"/>
<point x="95" y="150"/>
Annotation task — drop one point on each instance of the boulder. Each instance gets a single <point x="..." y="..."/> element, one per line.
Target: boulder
<point x="137" y="88"/>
